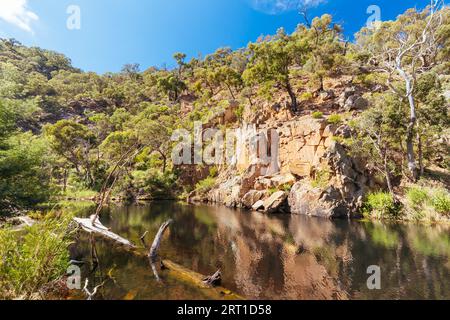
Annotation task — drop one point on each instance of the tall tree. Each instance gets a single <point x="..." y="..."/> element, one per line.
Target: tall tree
<point x="404" y="49"/>
<point x="271" y="61"/>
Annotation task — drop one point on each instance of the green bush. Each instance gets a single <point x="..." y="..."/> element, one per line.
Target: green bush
<point x="317" y="115"/>
<point x="205" y="185"/>
<point x="305" y="96"/>
<point x="213" y="172"/>
<point x="417" y="196"/>
<point x="335" y="119"/>
<point x="441" y="202"/>
<point x="431" y="202"/>
<point x="381" y="205"/>
<point x="321" y="178"/>
<point x="39" y="257"/>
<point x="153" y="183"/>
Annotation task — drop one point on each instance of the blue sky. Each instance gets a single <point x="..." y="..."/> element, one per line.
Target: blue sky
<point x="148" y="32"/>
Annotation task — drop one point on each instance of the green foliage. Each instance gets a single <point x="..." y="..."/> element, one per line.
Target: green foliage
<point x="428" y="202"/>
<point x="335" y="119"/>
<point x="205" y="185"/>
<point x="7" y="121"/>
<point x="240" y="112"/>
<point x="417" y="196"/>
<point x="317" y="115"/>
<point x="24" y="171"/>
<point x="381" y="205"/>
<point x="73" y="142"/>
<point x="154" y="184"/>
<point x="306" y="96"/>
<point x="172" y="86"/>
<point x="441" y="202"/>
<point x="321" y="178"/>
<point x="214" y="172"/>
<point x="29" y="262"/>
<point x="325" y="50"/>
<point x="271" y="60"/>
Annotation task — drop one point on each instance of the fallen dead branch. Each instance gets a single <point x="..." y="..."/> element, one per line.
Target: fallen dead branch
<point x="99" y="229"/>
<point x="153" y="254"/>
<point x="91" y="295"/>
<point x="142" y="238"/>
<point x="171" y="269"/>
<point x="214" y="280"/>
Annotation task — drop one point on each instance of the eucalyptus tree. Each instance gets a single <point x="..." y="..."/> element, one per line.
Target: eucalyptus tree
<point x="271" y="61"/>
<point x="326" y="49"/>
<point x="404" y="49"/>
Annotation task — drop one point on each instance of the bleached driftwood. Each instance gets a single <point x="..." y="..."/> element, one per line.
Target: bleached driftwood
<point x="100" y="229"/>
<point x="174" y="270"/>
<point x="214" y="280"/>
<point x="153" y="254"/>
<point x="91" y="295"/>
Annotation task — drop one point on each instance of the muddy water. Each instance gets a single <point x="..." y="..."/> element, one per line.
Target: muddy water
<point x="271" y="257"/>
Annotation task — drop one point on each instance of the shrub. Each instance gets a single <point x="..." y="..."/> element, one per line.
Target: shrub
<point x="335" y="119"/>
<point x="305" y="96"/>
<point x="39" y="257"/>
<point x="441" y="202"/>
<point x="213" y="172"/>
<point x="416" y="196"/>
<point x="317" y="115"/>
<point x="240" y="112"/>
<point x="152" y="183"/>
<point x="381" y="205"/>
<point x="428" y="202"/>
<point x="205" y="185"/>
<point x="321" y="178"/>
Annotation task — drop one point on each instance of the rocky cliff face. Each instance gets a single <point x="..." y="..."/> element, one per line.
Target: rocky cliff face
<point x="341" y="197"/>
<point x="314" y="175"/>
<point x="309" y="173"/>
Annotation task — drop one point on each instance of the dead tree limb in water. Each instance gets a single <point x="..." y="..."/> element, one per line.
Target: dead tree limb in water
<point x="173" y="270"/>
<point x="89" y="294"/>
<point x="153" y="254"/>
<point x="214" y="280"/>
<point x="142" y="238"/>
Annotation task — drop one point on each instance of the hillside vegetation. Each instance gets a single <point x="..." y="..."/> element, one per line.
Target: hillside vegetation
<point x="65" y="132"/>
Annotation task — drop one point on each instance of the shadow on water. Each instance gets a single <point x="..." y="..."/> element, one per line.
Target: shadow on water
<point x="272" y="257"/>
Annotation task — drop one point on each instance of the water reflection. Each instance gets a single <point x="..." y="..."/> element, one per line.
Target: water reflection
<point x="279" y="257"/>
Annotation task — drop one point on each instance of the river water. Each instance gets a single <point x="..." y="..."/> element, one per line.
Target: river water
<point x="270" y="257"/>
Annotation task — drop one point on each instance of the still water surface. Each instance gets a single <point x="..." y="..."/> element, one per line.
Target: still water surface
<point x="270" y="257"/>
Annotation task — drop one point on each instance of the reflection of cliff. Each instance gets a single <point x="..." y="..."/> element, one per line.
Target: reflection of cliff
<point x="297" y="257"/>
<point x="335" y="258"/>
<point x="266" y="264"/>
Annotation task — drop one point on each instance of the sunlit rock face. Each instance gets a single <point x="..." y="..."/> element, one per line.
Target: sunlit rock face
<point x="305" y="149"/>
<point x="341" y="198"/>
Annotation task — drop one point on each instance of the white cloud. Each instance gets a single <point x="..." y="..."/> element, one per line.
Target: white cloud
<point x="280" y="6"/>
<point x="17" y="13"/>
